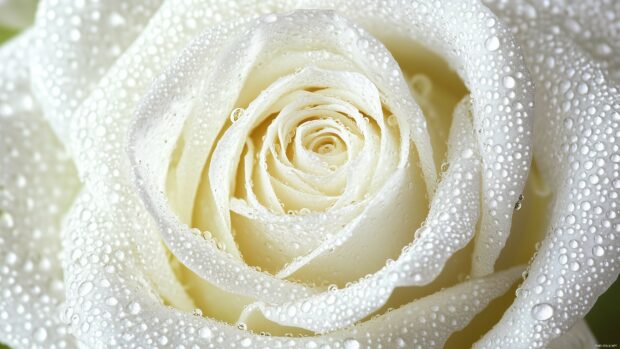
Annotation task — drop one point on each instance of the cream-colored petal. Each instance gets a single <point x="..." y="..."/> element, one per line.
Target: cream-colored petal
<point x="76" y="43"/>
<point x="449" y="227"/>
<point x="132" y="315"/>
<point x="487" y="58"/>
<point x="37" y="185"/>
<point x="576" y="146"/>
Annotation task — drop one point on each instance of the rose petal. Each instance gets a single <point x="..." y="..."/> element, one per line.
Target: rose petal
<point x="450" y="224"/>
<point x="114" y="285"/>
<point x="115" y="97"/>
<point x="77" y="41"/>
<point x="102" y="121"/>
<point x="37" y="184"/>
<point x="158" y="125"/>
<point x="465" y="33"/>
<point x="301" y="234"/>
<point x="253" y="49"/>
<point x="576" y="145"/>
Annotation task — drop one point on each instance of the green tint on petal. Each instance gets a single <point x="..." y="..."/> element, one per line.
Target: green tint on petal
<point x="6" y="34"/>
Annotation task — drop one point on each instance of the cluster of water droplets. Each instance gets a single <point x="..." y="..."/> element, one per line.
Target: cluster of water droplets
<point x="37" y="185"/>
<point x="117" y="272"/>
<point x="575" y="144"/>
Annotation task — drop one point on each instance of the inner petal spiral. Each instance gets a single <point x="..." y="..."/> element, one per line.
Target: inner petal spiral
<point x="287" y="201"/>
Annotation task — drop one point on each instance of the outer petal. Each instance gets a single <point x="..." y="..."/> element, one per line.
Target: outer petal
<point x="111" y="302"/>
<point x="77" y="42"/>
<point x="37" y="184"/>
<point x="576" y="144"/>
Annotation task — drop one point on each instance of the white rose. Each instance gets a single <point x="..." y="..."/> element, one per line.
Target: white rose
<point x="243" y="170"/>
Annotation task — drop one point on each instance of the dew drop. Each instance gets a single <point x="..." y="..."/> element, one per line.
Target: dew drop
<point x="509" y="82"/>
<point x="246" y="342"/>
<point x="305" y="307"/>
<point x="85" y="288"/>
<point x="603" y="49"/>
<point x="236" y="114"/>
<point x="7" y="220"/>
<point x="205" y="332"/>
<point x="75" y="35"/>
<point x="363" y="43"/>
<point x="492" y="43"/>
<point x="291" y="311"/>
<point x="392" y="121"/>
<point x="468" y="153"/>
<point x="598" y="251"/>
<point x="40" y="334"/>
<point x="270" y="18"/>
<point x="351" y="344"/>
<point x="11" y="258"/>
<point x="542" y="311"/>
<point x="563" y="259"/>
<point x="134" y="308"/>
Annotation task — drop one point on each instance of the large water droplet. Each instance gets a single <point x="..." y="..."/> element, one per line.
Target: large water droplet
<point x="85" y="288"/>
<point x="205" y="332"/>
<point x="40" y="334"/>
<point x="542" y="311"/>
<point x="468" y="153"/>
<point x="492" y="43"/>
<point x="236" y="114"/>
<point x="134" y="308"/>
<point x="246" y="342"/>
<point x="270" y="18"/>
<point x="351" y="344"/>
<point x="509" y="82"/>
<point x="598" y="251"/>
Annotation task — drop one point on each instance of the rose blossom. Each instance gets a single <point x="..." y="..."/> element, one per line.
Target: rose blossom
<point x="284" y="173"/>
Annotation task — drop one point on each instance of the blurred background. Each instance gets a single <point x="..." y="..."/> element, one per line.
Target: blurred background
<point x="603" y="319"/>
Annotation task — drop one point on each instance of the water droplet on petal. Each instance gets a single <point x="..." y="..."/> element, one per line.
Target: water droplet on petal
<point x="246" y="342"/>
<point x="351" y="344"/>
<point x="134" y="308"/>
<point x="542" y="311"/>
<point x="492" y="43"/>
<point x="40" y="334"/>
<point x="598" y="251"/>
<point x="85" y="288"/>
<point x="270" y="18"/>
<point x="468" y="153"/>
<point x="205" y="332"/>
<point x="236" y="114"/>
<point x="509" y="82"/>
